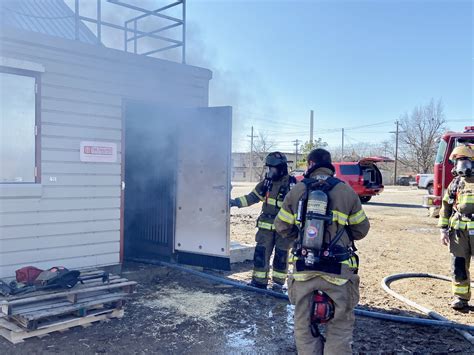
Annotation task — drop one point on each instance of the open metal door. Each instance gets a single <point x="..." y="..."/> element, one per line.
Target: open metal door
<point x="150" y="181"/>
<point x="202" y="234"/>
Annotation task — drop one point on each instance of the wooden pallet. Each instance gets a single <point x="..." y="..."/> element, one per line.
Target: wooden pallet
<point x="41" y="312"/>
<point x="16" y="334"/>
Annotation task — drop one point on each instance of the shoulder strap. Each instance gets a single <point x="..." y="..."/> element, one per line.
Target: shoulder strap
<point x="455" y="186"/>
<point x="324" y="185"/>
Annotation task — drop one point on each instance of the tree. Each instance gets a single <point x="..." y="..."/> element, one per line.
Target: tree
<point x="261" y="146"/>
<point x="308" y="147"/>
<point x="420" y="132"/>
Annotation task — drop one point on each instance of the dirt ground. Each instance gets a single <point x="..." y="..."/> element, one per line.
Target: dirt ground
<point x="174" y="312"/>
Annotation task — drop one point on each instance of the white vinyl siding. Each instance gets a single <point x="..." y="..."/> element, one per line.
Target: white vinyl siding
<point x="74" y="218"/>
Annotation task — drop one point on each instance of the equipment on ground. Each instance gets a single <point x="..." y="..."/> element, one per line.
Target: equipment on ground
<point x="27" y="275"/>
<point x="54" y="278"/>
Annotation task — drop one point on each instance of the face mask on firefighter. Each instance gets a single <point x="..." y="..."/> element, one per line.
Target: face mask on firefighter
<point x="464" y="167"/>
<point x="272" y="173"/>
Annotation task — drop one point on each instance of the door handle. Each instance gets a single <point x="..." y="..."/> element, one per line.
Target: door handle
<point x="219" y="187"/>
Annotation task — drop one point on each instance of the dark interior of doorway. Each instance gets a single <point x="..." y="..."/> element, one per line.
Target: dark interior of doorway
<point x="150" y="182"/>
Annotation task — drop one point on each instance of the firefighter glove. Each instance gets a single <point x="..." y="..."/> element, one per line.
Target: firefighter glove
<point x="233" y="203"/>
<point x="444" y="236"/>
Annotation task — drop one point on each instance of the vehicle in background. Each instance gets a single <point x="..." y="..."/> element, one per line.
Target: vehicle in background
<point x="425" y="181"/>
<point x="443" y="166"/>
<point x="363" y="176"/>
<point x="406" y="181"/>
<point x="298" y="174"/>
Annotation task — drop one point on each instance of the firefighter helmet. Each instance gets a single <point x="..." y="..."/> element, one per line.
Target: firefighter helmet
<point x="277" y="166"/>
<point x="462" y="151"/>
<point x="275" y="159"/>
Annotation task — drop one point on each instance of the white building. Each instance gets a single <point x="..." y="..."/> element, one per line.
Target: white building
<point x="97" y="147"/>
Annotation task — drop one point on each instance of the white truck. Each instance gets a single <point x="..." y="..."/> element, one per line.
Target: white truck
<point x="425" y="181"/>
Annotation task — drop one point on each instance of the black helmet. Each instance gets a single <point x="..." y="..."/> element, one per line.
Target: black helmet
<point x="275" y="159"/>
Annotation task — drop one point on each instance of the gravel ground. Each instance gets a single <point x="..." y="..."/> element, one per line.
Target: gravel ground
<point x="174" y="312"/>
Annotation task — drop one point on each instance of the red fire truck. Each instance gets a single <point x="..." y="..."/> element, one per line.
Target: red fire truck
<point x="443" y="166"/>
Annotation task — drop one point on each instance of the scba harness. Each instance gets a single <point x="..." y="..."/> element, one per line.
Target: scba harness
<point x="311" y="251"/>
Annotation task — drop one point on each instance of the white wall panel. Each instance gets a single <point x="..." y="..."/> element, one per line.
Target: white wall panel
<point x="73" y="217"/>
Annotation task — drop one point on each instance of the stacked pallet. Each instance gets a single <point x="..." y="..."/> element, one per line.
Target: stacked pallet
<point x="42" y="312"/>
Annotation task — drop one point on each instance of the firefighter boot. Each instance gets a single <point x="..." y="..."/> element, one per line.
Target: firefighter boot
<point x="279" y="288"/>
<point x="459" y="304"/>
<point x="253" y="283"/>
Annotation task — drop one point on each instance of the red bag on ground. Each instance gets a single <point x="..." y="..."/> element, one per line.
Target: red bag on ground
<point x="27" y="275"/>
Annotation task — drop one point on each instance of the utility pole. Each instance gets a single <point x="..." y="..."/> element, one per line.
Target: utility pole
<point x="311" y="127"/>
<point x="396" y="155"/>
<point x="251" y="153"/>
<point x="297" y="143"/>
<point x="342" y="145"/>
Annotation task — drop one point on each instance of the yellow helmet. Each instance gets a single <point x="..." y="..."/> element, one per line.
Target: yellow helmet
<point x="463" y="151"/>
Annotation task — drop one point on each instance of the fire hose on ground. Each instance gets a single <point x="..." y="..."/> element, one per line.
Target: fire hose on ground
<point x="439" y="320"/>
<point x="386" y="286"/>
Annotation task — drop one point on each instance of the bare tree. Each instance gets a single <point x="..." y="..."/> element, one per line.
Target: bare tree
<point x="420" y="132"/>
<point x="261" y="147"/>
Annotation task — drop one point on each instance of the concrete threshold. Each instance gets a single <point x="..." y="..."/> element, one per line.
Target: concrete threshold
<point x="240" y="252"/>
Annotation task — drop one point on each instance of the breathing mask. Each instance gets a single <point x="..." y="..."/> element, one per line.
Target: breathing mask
<point x="463" y="167"/>
<point x="272" y="173"/>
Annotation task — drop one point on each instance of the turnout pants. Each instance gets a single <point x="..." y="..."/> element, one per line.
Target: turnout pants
<point x="338" y="332"/>
<point x="461" y="247"/>
<point x="267" y="241"/>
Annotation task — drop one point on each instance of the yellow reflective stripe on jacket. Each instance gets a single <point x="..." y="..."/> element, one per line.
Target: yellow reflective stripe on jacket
<point x="351" y="262"/>
<point x="357" y="218"/>
<point x="334" y="280"/>
<point x="305" y="276"/>
<point x="273" y="202"/>
<point x="286" y="216"/>
<point x="258" y="195"/>
<point x="279" y="275"/>
<point x="443" y="221"/>
<point x="460" y="289"/>
<point x="446" y="197"/>
<point x="266" y="225"/>
<point x="260" y="274"/>
<point x="339" y="217"/>
<point x="292" y="258"/>
<point x="457" y="224"/>
<point x="243" y="201"/>
<point x="465" y="199"/>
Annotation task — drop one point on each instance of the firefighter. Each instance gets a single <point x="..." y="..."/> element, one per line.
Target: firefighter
<point x="271" y="191"/>
<point x="324" y="285"/>
<point x="456" y="222"/>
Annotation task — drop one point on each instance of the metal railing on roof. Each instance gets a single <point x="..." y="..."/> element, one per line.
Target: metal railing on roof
<point x="133" y="36"/>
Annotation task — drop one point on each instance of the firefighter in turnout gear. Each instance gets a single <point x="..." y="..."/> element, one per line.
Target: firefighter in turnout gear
<point x="271" y="191"/>
<point x="456" y="220"/>
<point x="323" y="216"/>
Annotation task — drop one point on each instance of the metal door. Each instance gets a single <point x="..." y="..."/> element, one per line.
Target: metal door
<point x="202" y="235"/>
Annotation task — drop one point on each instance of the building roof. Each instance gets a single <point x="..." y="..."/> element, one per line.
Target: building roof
<point x="51" y="17"/>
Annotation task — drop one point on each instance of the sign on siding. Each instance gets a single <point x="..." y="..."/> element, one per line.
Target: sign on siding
<point x="99" y="152"/>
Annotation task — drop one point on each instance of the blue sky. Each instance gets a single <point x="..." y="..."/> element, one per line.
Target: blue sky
<point x="353" y="62"/>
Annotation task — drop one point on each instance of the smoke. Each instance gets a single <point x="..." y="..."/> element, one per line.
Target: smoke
<point x="228" y="87"/>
